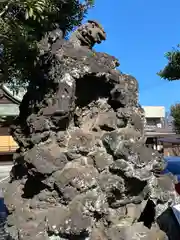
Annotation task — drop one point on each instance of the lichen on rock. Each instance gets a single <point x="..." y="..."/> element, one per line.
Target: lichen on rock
<point x="82" y="170"/>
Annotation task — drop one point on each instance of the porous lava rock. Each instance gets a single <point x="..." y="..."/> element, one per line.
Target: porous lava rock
<point x="82" y="170"/>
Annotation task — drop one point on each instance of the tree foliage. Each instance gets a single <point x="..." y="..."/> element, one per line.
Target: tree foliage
<point x="172" y="69"/>
<point x="175" y="113"/>
<point x="23" y="23"/>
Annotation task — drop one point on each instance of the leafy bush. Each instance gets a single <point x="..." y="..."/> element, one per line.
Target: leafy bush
<point x="22" y="25"/>
<point x="175" y="113"/>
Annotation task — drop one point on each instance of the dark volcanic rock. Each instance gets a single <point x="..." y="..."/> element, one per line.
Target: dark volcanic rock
<point x="83" y="171"/>
<point x="46" y="159"/>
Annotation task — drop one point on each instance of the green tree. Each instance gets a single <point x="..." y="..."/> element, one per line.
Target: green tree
<point x="175" y="113"/>
<point x="23" y="23"/>
<point x="172" y="69"/>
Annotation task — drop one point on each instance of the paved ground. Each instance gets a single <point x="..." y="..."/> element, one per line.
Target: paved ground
<point x="4" y="178"/>
<point x="4" y="175"/>
<point x="4" y="171"/>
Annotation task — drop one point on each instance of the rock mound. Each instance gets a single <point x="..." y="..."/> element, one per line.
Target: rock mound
<point x="82" y="171"/>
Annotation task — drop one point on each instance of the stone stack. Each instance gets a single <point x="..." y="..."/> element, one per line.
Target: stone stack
<point x="82" y="171"/>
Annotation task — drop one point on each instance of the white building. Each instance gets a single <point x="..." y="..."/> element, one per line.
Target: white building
<point x="155" y="117"/>
<point x="157" y="126"/>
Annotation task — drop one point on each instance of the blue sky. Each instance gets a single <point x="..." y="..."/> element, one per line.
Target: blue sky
<point x="139" y="32"/>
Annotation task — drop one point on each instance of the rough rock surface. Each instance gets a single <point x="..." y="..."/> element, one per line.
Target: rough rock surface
<point x="82" y="171"/>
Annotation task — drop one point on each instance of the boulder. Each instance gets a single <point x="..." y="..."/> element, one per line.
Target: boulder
<point x="83" y="171"/>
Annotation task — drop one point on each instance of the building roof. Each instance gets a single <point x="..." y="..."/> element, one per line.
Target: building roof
<point x="9" y="94"/>
<point x="9" y="102"/>
<point x="160" y="132"/>
<point x="170" y="140"/>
